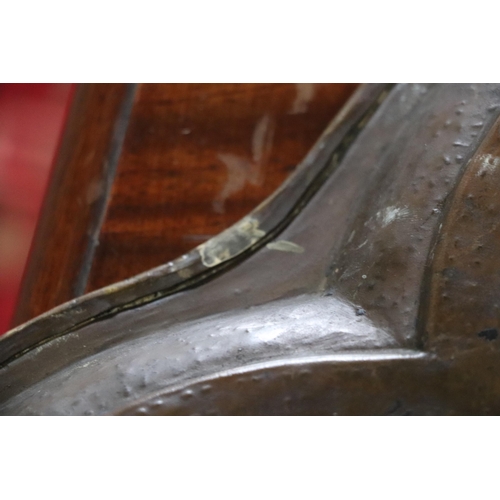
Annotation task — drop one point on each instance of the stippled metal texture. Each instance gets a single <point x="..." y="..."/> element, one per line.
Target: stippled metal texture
<point x="369" y="285"/>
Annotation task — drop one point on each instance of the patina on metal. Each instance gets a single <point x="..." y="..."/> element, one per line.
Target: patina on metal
<point x="366" y="285"/>
<point x="270" y="217"/>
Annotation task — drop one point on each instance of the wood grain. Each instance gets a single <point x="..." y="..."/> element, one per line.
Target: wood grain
<point x="66" y="233"/>
<point x="197" y="158"/>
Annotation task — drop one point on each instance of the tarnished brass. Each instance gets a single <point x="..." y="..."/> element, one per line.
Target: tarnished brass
<point x="369" y="283"/>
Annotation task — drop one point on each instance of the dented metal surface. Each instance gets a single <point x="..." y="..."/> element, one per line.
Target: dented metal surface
<point x="274" y="214"/>
<point x="463" y="295"/>
<point x="400" y="209"/>
<point x="378" y="295"/>
<point x="131" y="369"/>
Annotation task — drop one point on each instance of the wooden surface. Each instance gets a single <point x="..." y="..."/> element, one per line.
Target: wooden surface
<point x="75" y="200"/>
<point x="195" y="159"/>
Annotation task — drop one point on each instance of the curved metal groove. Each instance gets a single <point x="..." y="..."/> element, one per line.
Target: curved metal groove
<point x="349" y="358"/>
<point x="461" y="302"/>
<point x="449" y="202"/>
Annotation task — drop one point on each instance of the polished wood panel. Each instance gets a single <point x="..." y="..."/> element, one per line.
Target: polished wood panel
<point x="197" y="158"/>
<point x="65" y="234"/>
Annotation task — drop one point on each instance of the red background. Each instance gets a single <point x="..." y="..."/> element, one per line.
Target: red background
<point x="31" y="121"/>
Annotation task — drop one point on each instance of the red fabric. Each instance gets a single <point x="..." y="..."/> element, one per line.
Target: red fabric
<point x="31" y="121"/>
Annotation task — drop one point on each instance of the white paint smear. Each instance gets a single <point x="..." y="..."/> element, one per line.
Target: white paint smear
<point x="285" y="246"/>
<point x="241" y="170"/>
<point x="488" y="164"/>
<point x="305" y="94"/>
<point x="390" y="214"/>
<point x="262" y="139"/>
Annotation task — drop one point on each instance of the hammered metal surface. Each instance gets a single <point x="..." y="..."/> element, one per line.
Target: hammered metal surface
<point x="391" y="306"/>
